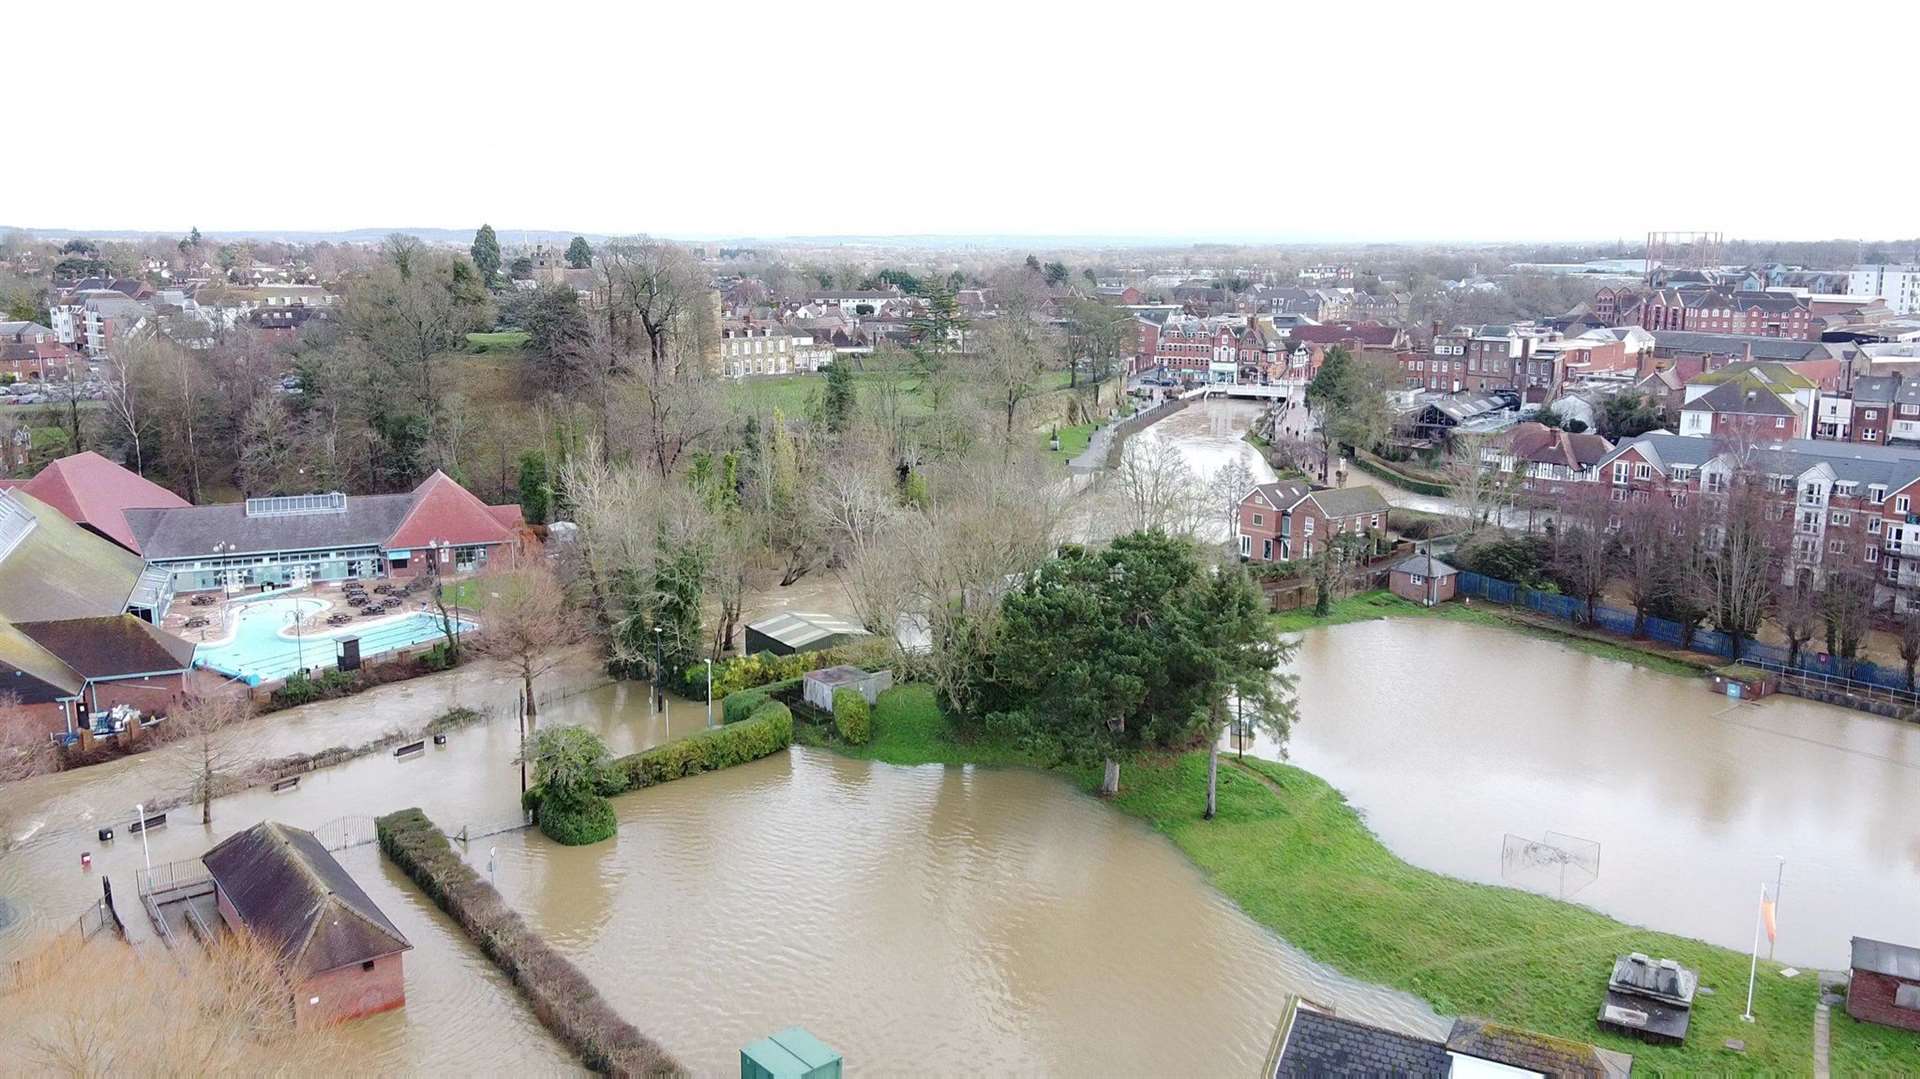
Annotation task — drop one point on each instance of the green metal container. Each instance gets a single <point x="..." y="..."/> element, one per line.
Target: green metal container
<point x="791" y="1054"/>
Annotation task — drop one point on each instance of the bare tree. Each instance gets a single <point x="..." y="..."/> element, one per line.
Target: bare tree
<point x="210" y="749"/>
<point x="655" y="294"/>
<point x="1155" y="489"/>
<point x="26" y="749"/>
<point x="1228" y="485"/>
<point x="1583" y="546"/>
<point x="1910" y="643"/>
<point x="119" y="372"/>
<point x="1481" y="487"/>
<point x="1018" y="349"/>
<point x="224" y="1009"/>
<point x="1647" y="536"/>
<point x="1846" y="609"/>
<point x="1798" y="613"/>
<point x="1743" y="561"/>
<point x="528" y="623"/>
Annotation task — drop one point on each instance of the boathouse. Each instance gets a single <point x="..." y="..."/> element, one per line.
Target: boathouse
<point x="339" y="951"/>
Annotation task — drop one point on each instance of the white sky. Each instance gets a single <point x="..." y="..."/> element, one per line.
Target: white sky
<point x="1227" y="120"/>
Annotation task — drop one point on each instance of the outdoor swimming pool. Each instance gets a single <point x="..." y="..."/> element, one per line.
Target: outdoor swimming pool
<point x="263" y="647"/>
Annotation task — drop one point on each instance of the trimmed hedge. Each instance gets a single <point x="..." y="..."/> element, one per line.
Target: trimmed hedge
<point x="763" y="668"/>
<point x="850" y="716"/>
<point x="1372" y="465"/>
<point x="767" y="732"/>
<point x="744" y="703"/>
<point x="562" y="998"/>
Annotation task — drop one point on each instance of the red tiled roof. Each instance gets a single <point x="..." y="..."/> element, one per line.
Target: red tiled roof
<point x="510" y="516"/>
<point x="94" y="492"/>
<point x="446" y="513"/>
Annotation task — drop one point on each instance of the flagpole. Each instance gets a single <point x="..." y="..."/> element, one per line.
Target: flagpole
<point x="1753" y="970"/>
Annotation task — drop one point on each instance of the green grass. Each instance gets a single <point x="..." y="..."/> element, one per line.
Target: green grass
<point x="1856" y="1048"/>
<point x="1299" y="860"/>
<point x="1073" y="442"/>
<point x="908" y="728"/>
<point x="500" y="341"/>
<point x="792" y="393"/>
<point x="1367" y="606"/>
<point x="466" y="594"/>
<point x="1289" y="850"/>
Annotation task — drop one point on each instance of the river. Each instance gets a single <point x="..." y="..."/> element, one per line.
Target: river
<point x="1447" y="737"/>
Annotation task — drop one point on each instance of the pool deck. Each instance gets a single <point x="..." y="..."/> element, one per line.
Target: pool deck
<point x="219" y="614"/>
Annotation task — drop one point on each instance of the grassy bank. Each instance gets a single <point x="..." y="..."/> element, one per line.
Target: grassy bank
<point x="1288" y="849"/>
<point x="1368" y="606"/>
<point x="1857" y="1048"/>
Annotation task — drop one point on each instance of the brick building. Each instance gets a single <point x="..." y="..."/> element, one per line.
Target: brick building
<point x="1836" y="505"/>
<point x="335" y="946"/>
<point x="1545" y="459"/>
<point x="1884" y="984"/>
<point x="31" y="352"/>
<point x="1280" y="522"/>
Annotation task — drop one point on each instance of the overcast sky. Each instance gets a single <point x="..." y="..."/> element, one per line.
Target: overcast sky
<point x="1255" y="121"/>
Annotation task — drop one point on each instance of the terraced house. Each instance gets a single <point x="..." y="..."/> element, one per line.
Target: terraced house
<point x="1837" y="505"/>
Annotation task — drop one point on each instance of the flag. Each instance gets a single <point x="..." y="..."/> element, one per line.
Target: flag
<point x="1766" y="915"/>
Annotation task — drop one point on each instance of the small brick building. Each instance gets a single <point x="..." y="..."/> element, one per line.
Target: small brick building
<point x="341" y="954"/>
<point x="1884" y="986"/>
<point x="1423" y="579"/>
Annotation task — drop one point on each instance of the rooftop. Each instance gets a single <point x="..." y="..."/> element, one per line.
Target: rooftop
<point x="296" y="898"/>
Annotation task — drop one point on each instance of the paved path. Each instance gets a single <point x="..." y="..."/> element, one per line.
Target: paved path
<point x="1821" y="1040"/>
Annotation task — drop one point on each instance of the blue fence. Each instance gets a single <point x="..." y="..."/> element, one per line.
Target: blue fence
<point x="1706" y="641"/>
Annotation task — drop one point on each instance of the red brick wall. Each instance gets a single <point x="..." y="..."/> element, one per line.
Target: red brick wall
<point x="1401" y="584"/>
<point x="1870" y="1000"/>
<point x="351" y="992"/>
<point x="31" y="719"/>
<point x="146" y="694"/>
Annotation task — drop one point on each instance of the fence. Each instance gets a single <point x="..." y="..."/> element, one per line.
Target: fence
<point x="1809" y="664"/>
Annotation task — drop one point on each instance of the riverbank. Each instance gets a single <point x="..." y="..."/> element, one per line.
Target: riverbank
<point x="1290" y="852"/>
<point x="1382" y="604"/>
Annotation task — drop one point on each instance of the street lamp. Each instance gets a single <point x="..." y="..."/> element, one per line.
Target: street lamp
<point x="141" y="809"/>
<point x="659" y="669"/>
<point x="709" y="691"/>
<point x="299" y="644"/>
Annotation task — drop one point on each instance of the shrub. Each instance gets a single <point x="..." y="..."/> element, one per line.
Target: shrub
<point x="439" y="658"/>
<point x="576" y="821"/>
<point x="763" y="734"/>
<point x="562" y="998"/>
<point x="298" y="689"/>
<point x="762" y="668"/>
<point x="454" y="718"/>
<point x="850" y="716"/>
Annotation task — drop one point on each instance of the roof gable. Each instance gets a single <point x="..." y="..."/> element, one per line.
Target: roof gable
<point x="114" y="646"/>
<point x="296" y="898"/>
<point x="444" y="512"/>
<point x="94" y="492"/>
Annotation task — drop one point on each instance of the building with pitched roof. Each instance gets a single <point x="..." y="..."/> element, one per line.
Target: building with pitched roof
<point x="96" y="494"/>
<point x="1280" y="522"/>
<point x="1314" y="1043"/>
<point x="1836" y="504"/>
<point x="1883" y="983"/>
<point x="342" y="955"/>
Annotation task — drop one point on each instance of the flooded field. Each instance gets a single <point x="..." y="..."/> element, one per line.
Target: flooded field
<point x="921" y="921"/>
<point x="1448" y="737"/>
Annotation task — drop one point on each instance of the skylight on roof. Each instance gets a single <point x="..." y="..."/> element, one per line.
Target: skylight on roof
<point x="296" y="505"/>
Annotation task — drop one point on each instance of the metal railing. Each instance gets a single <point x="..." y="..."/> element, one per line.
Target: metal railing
<point x="1834" y="682"/>
<point x="170" y="877"/>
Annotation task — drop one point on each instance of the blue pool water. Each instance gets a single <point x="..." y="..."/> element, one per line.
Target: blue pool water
<point x="262" y="647"/>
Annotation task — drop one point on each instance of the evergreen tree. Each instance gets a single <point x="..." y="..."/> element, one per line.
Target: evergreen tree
<point x="486" y="254"/>
<point x="536" y="494"/>
<point x="840" y="396"/>
<point x="579" y="253"/>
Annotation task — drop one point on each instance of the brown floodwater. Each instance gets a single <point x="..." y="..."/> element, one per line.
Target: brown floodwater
<point x="1447" y="737"/>
<point x="929" y="920"/>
